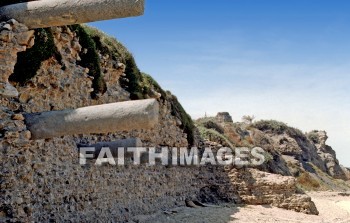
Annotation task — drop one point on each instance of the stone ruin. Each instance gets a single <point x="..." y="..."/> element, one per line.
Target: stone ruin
<point x="224" y="117"/>
<point x="42" y="126"/>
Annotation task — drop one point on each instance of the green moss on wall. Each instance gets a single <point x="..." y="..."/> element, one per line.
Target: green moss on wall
<point x="178" y="111"/>
<point x="138" y="84"/>
<point x="90" y="59"/>
<point x="29" y="62"/>
<point x="213" y="135"/>
<point x="133" y="81"/>
<point x="151" y="84"/>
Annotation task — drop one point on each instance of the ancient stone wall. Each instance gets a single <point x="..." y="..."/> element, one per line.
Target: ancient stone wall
<point x="42" y="179"/>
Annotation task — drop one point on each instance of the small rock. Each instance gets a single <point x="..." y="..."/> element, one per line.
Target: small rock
<point x="25" y="38"/>
<point x="27" y="134"/>
<point x="7" y="27"/>
<point x="17" y="117"/>
<point x="7" y="90"/>
<point x="6" y="36"/>
<point x="13" y="22"/>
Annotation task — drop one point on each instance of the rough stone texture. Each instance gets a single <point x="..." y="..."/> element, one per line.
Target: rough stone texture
<point x="41" y="180"/>
<point x="328" y="156"/>
<point x="259" y="188"/>
<point x="14" y="38"/>
<point x="112" y="117"/>
<point x="48" y="13"/>
<point x="224" y="117"/>
<point x="305" y="150"/>
<point x="289" y="152"/>
<point x="256" y="187"/>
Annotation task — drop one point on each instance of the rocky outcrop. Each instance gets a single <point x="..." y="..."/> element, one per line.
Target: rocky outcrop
<point x="260" y="188"/>
<point x="248" y="185"/>
<point x="224" y="117"/>
<point x="289" y="151"/>
<point x="327" y="155"/>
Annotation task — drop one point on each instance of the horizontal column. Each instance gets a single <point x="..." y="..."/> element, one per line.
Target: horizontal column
<point x="121" y="116"/>
<point x="48" y="13"/>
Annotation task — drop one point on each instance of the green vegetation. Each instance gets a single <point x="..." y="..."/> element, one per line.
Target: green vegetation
<point x="178" y="111"/>
<point x="138" y="84"/>
<point x="90" y="59"/>
<point x="93" y="41"/>
<point x="279" y="128"/>
<point x="267" y="157"/>
<point x="307" y="182"/>
<point x="213" y="135"/>
<point x="106" y="45"/>
<point x="234" y="132"/>
<point x="29" y="62"/>
<point x="150" y="84"/>
<point x="210" y="123"/>
<point x="313" y="136"/>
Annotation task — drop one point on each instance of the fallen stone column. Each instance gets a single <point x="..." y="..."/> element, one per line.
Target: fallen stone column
<point x="48" y="13"/>
<point x="114" y="145"/>
<point x="121" y="116"/>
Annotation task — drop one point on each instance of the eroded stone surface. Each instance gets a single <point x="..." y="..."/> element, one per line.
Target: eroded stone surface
<point x="14" y="37"/>
<point x="259" y="188"/>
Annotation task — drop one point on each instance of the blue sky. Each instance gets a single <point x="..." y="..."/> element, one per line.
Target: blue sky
<point x="287" y="60"/>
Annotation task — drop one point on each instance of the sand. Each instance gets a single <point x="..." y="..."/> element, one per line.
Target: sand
<point x="333" y="208"/>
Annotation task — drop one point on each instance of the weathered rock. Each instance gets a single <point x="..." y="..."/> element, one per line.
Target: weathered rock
<point x="328" y="156"/>
<point x="122" y="116"/>
<point x="49" y="13"/>
<point x="224" y="117"/>
<point x="18" y="117"/>
<point x="259" y="188"/>
<point x="15" y="38"/>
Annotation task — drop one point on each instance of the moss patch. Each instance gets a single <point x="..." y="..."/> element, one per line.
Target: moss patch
<point x="107" y="45"/>
<point x="313" y="136"/>
<point x="276" y="127"/>
<point x="138" y="84"/>
<point x="210" y="123"/>
<point x="90" y="59"/>
<point x="178" y="111"/>
<point x="214" y="136"/>
<point x="29" y="62"/>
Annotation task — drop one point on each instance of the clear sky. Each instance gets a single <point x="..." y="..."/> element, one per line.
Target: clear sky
<point x="275" y="59"/>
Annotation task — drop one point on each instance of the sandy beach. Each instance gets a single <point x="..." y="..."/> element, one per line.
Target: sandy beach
<point x="334" y="207"/>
